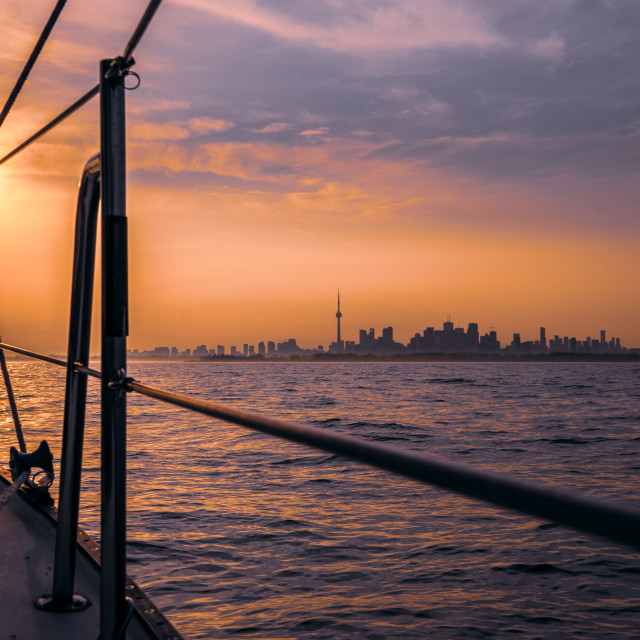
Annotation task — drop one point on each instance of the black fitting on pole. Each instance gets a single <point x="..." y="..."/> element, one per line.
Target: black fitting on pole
<point x="121" y="382"/>
<point x="119" y="67"/>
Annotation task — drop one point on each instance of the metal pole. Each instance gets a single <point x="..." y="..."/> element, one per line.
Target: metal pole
<point x="114" y="332"/>
<point x="12" y="403"/>
<point x="63" y="598"/>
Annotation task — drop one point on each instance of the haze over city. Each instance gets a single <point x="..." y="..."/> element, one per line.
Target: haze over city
<point x="430" y="158"/>
<point x="449" y="339"/>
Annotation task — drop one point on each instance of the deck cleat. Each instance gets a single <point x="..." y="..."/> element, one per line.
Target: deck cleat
<point x="38" y="483"/>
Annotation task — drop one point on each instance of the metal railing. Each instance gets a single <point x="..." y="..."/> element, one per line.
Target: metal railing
<point x="104" y="179"/>
<point x="76" y="388"/>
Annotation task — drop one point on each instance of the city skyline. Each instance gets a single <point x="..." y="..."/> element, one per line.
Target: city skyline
<point x="449" y="339"/>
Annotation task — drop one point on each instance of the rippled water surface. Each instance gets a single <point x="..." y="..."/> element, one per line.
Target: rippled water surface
<point x="237" y="534"/>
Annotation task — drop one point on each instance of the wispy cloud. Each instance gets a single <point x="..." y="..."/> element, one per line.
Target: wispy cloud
<point x="314" y="133"/>
<point x="161" y="104"/>
<point x="274" y="127"/>
<point x="363" y="24"/>
<point x="551" y="48"/>
<point x="148" y="131"/>
<point x="208" y="125"/>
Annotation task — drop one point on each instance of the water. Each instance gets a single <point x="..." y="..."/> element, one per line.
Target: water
<point x="239" y="535"/>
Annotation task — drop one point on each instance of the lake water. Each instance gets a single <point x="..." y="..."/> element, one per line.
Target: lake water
<point x="236" y="534"/>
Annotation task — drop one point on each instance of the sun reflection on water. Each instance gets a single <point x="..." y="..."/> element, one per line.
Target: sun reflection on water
<point x="239" y="534"/>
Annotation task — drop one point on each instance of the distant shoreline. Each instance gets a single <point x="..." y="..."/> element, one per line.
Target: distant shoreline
<point x="432" y="357"/>
<point x="417" y="357"/>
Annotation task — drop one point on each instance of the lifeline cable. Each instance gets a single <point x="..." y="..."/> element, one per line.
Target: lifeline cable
<point x="32" y="59"/>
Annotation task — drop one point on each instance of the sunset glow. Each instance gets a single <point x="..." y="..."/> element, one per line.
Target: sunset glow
<point x="428" y="158"/>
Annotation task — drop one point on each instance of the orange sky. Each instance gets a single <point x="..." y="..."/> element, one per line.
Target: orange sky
<point x="274" y="157"/>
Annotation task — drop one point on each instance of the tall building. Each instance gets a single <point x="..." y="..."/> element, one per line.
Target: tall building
<point x="338" y="316"/>
<point x="543" y="338"/>
<point x="201" y="350"/>
<point x="338" y="345"/>
<point x="288" y="347"/>
<point x="448" y="341"/>
<point x="473" y="335"/>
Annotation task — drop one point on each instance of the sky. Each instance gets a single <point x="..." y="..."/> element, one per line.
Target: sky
<point x="429" y="158"/>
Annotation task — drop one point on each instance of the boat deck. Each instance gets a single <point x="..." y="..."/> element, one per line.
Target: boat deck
<point x="27" y="542"/>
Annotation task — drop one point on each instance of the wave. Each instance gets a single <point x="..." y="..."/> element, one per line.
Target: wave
<point x="450" y="381"/>
<point x="540" y="568"/>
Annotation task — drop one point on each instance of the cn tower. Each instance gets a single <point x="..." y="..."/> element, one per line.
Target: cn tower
<point x="338" y="315"/>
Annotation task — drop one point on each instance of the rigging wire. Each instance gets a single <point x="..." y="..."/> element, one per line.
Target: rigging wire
<point x="32" y="59"/>
<point x="56" y="121"/>
<point x="134" y="41"/>
<point x="125" y="61"/>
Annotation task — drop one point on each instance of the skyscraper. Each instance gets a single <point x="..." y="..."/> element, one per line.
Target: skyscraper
<point x="473" y="335"/>
<point x="338" y="316"/>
